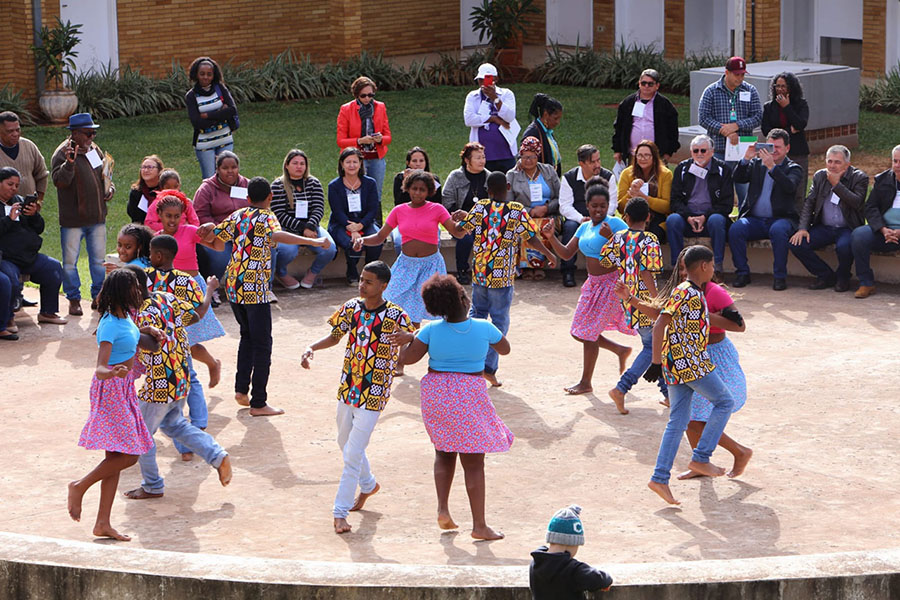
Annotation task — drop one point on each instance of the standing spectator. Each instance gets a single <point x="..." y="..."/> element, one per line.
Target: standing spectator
<point x="363" y="123"/>
<point x="490" y="114"/>
<point x="702" y="199"/>
<point x="645" y="115"/>
<point x="416" y="159"/>
<point x="547" y="113"/>
<point x="353" y="199"/>
<point x="882" y="234"/>
<point x="650" y="179"/>
<point x="789" y="111"/>
<point x="212" y="112"/>
<point x="23" y="155"/>
<point x="463" y="188"/>
<point x="77" y="171"/>
<point x="143" y="191"/>
<point x="833" y="209"/>
<point x="300" y="213"/>
<point x="730" y="108"/>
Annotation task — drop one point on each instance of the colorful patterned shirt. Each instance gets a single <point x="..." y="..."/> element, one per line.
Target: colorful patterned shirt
<point x="167" y="377"/>
<point x="499" y="228"/>
<point x="684" y="352"/>
<point x="369" y="359"/>
<point x="248" y="272"/>
<point x="178" y="283"/>
<point x="633" y="251"/>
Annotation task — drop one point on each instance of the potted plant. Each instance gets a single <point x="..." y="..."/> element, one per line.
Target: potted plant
<point x="55" y="55"/>
<point x="504" y="23"/>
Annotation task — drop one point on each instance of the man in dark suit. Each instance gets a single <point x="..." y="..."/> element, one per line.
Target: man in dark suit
<point x="769" y="210"/>
<point x="645" y="115"/>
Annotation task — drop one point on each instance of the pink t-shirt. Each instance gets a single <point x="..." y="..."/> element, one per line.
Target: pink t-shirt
<point x="187" y="238"/>
<point x="188" y="216"/>
<point x="716" y="299"/>
<point x="418" y="223"/>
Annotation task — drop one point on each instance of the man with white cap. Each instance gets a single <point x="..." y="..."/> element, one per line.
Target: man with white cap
<point x="490" y="112"/>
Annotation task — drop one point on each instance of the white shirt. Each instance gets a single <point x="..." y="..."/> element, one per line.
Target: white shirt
<point x="567" y="197"/>
<point x="474" y="120"/>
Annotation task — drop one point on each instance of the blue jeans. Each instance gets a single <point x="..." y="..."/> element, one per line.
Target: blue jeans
<point x="6" y="300"/>
<point x="713" y="389"/>
<point x="715" y="228"/>
<point x="569" y="228"/>
<point x="746" y="229"/>
<point x="214" y="262"/>
<point x="207" y="159"/>
<point x="375" y="169"/>
<point x="45" y="272"/>
<point x="169" y="418"/>
<point x="286" y="253"/>
<point x="640" y="364"/>
<point x="493" y="302"/>
<point x="863" y="242"/>
<point x="196" y="401"/>
<point x="740" y="189"/>
<point x="95" y="242"/>
<point x="464" y="252"/>
<point x="819" y="237"/>
<point x="344" y="242"/>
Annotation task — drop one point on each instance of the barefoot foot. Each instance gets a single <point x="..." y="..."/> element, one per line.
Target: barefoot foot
<point x="242" y="399"/>
<point x="187" y="456"/>
<point x="486" y="533"/>
<point x="74" y="501"/>
<point x="664" y="402"/>
<point x="361" y="499"/>
<point x="662" y="489"/>
<point x="579" y="388"/>
<point x="341" y="526"/>
<point x="266" y="411"/>
<point x="225" y="471"/>
<point x="619" y="398"/>
<point x="740" y="463"/>
<point x="689" y="474"/>
<point x="708" y="469"/>
<point x="445" y="521"/>
<point x="623" y="355"/>
<point x="140" y="494"/>
<point x="215" y="373"/>
<point x="106" y="531"/>
<point x="492" y="379"/>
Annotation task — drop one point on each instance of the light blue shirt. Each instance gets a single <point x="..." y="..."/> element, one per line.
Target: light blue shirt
<point x="832" y="215"/>
<point x="763" y="207"/>
<point x="458" y="347"/>
<point x="590" y="242"/>
<point x="123" y="334"/>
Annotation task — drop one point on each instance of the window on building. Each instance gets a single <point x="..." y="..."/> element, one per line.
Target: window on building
<point x="840" y="51"/>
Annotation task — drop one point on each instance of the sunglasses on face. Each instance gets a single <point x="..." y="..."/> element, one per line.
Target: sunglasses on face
<point x="648" y="83"/>
<point x="367" y="95"/>
<point x="699" y="150"/>
<point x="90" y="133"/>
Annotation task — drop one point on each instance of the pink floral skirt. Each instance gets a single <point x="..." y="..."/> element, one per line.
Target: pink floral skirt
<point x="115" y="423"/>
<point x="598" y="309"/>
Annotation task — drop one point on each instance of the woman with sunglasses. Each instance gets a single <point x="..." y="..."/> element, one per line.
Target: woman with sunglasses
<point x="648" y="178"/>
<point x="363" y="123"/>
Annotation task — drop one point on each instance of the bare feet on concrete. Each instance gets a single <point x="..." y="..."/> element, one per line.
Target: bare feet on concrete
<point x="740" y="463"/>
<point x="106" y="531"/>
<point x="266" y="411"/>
<point x="341" y="526"/>
<point x="662" y="489"/>
<point x="141" y="494"/>
<point x="215" y="373"/>
<point x="492" y="379"/>
<point x="361" y="499"/>
<point x="225" y="471"/>
<point x="708" y="469"/>
<point x="486" y="533"/>
<point x="619" y="398"/>
<point x="579" y="388"/>
<point x="74" y="501"/>
<point x="242" y="399"/>
<point x="623" y="355"/>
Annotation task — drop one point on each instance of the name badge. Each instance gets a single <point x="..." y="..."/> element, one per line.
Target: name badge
<point x="239" y="192"/>
<point x="354" y="202"/>
<point x="836" y="200"/>
<point x="8" y="210"/>
<point x="645" y="189"/>
<point x="697" y="170"/>
<point x="301" y="209"/>
<point x="744" y="96"/>
<point x="896" y="201"/>
<point x="537" y="194"/>
<point x="94" y="158"/>
<point x="638" y="110"/>
<point x="143" y="203"/>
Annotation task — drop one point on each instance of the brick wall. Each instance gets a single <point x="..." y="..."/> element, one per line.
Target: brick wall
<point x="875" y="12"/>
<point x="674" y="29"/>
<point x="536" y="32"/>
<point x="401" y="28"/>
<point x="605" y="19"/>
<point x="768" y="30"/>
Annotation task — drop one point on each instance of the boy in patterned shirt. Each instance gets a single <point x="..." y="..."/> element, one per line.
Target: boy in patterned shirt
<point x="680" y="336"/>
<point x="165" y="388"/>
<point x="369" y="363"/>
<point x="499" y="228"/>
<point x="254" y="231"/>
<point x="636" y="254"/>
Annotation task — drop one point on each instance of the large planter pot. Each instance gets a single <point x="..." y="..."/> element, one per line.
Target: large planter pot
<point x="58" y="106"/>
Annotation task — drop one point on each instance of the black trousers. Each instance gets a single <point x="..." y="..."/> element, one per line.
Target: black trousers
<point x="254" y="351"/>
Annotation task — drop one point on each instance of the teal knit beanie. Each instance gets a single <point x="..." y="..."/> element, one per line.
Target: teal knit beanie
<point x="565" y="527"/>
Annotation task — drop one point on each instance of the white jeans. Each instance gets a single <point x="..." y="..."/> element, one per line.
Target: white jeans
<point x="355" y="426"/>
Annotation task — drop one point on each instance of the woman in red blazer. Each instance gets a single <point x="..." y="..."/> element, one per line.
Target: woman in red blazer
<point x="363" y="123"/>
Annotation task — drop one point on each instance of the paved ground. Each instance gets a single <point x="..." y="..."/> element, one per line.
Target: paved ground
<point x="822" y="418"/>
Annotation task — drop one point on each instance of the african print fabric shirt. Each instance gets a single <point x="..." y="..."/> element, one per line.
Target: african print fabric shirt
<point x="166" y="369"/>
<point x="633" y="251"/>
<point x="369" y="359"/>
<point x="250" y="267"/>
<point x="684" y="352"/>
<point x="178" y="283"/>
<point x="499" y="228"/>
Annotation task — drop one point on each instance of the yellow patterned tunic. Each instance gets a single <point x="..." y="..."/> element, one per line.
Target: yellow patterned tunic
<point x="499" y="228"/>
<point x="632" y="251"/>
<point x="248" y="273"/>
<point x="166" y="377"/>
<point x="685" y="358"/>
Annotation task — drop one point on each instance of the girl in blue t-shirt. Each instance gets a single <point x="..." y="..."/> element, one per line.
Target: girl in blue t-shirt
<point x="115" y="424"/>
<point x="598" y="308"/>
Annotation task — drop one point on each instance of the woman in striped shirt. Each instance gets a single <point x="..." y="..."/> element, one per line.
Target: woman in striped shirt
<point x="212" y="112"/>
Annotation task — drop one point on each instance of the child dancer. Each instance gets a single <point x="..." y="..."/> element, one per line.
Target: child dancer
<point x="188" y="214"/>
<point x="365" y="389"/>
<point x="680" y="337"/>
<point x="115" y="424"/>
<point x="498" y="227"/>
<point x="598" y="310"/>
<point x="636" y="254"/>
<point x="253" y="229"/>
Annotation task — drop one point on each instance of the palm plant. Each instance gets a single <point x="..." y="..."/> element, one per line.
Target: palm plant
<point x="56" y="54"/>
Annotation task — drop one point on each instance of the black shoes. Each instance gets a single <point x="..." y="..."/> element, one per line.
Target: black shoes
<point x="842" y="285"/>
<point x="741" y="280"/>
<point x="823" y="283"/>
<point x="464" y="277"/>
<point x="568" y="278"/>
<point x="779" y="285"/>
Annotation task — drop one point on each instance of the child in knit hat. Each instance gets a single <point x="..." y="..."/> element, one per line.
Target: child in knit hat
<point x="554" y="573"/>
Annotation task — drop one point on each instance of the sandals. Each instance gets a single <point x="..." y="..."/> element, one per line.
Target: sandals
<point x="539" y="275"/>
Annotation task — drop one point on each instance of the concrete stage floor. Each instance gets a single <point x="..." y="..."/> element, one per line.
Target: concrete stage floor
<point x="822" y="418"/>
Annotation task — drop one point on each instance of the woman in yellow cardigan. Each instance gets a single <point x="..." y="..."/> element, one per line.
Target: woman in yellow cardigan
<point x="650" y="179"/>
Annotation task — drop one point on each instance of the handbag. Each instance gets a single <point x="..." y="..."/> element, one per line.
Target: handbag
<point x="234" y="122"/>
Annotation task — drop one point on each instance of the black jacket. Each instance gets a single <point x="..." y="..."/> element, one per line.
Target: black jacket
<point x="851" y="189"/>
<point x="881" y="198"/>
<point x="665" y="125"/>
<point x="787" y="176"/>
<point x="401" y="197"/>
<point x="137" y="214"/>
<point x="797" y="113"/>
<point x="20" y="241"/>
<point x="535" y="130"/>
<point x="558" y="576"/>
<point x="718" y="180"/>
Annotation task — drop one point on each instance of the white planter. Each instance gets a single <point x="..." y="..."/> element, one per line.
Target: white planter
<point x="58" y="106"/>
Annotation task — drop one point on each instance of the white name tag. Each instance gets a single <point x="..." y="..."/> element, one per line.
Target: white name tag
<point x="8" y="210"/>
<point x="143" y="203"/>
<point x="354" y="202"/>
<point x="301" y="209"/>
<point x="697" y="170"/>
<point x="537" y="193"/>
<point x="638" y="110"/>
<point x="744" y="96"/>
<point x="94" y="158"/>
<point x="238" y="192"/>
<point x="645" y="189"/>
<point x="896" y="201"/>
<point x="835" y="199"/>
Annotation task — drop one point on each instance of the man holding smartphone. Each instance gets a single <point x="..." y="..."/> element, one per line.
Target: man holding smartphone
<point x="490" y="113"/>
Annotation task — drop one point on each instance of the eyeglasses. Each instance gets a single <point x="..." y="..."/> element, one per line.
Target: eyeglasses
<point x="88" y="133"/>
<point x="367" y="95"/>
<point x="699" y="150"/>
<point x="644" y="156"/>
<point x="648" y="83"/>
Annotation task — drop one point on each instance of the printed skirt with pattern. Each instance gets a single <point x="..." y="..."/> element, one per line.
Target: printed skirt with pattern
<point x="598" y="309"/>
<point x="408" y="274"/>
<point x="115" y="423"/>
<point x="207" y="328"/>
<point x="725" y="356"/>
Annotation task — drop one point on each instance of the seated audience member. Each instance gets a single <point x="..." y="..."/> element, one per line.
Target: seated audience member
<point x="648" y="178"/>
<point x="463" y="187"/>
<point x="416" y="158"/>
<point x="645" y="115"/>
<point x="769" y="210"/>
<point x="143" y="191"/>
<point x="832" y="210"/>
<point x="882" y="234"/>
<point x="702" y="199"/>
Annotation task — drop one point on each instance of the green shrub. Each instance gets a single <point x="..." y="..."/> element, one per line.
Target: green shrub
<point x="11" y="99"/>
<point x="452" y="70"/>
<point x="884" y="94"/>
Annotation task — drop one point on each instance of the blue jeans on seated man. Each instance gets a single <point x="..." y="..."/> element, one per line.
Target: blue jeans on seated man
<point x="864" y="242"/>
<point x="285" y="253"/>
<point x="94" y="237"/>
<point x="747" y="229"/>
<point x="712" y="388"/>
<point x="207" y="159"/>
<point x="715" y="228"/>
<point x="493" y="303"/>
<point x="819" y="237"/>
<point x="344" y="242"/>
<point x="169" y="418"/>
<point x="569" y="228"/>
<point x="198" y="411"/>
<point x="45" y="272"/>
<point x="214" y="262"/>
<point x="640" y="364"/>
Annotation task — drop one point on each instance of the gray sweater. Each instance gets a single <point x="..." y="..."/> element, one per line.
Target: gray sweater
<point x="455" y="189"/>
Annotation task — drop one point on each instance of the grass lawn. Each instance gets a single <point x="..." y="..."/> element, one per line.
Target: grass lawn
<point x="431" y="118"/>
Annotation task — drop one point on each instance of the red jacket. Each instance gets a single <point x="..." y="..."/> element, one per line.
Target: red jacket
<point x="349" y="126"/>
